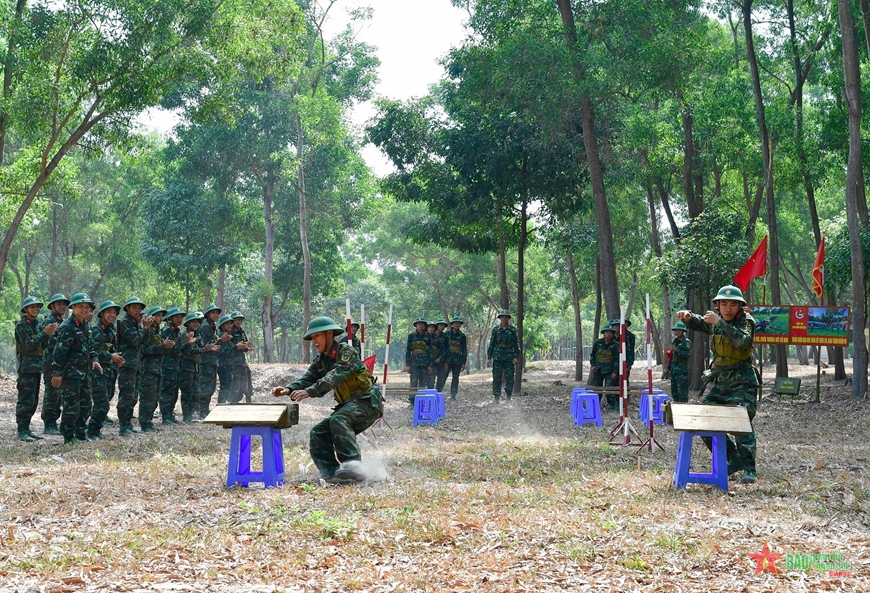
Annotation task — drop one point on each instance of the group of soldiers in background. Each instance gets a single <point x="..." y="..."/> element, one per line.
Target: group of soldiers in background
<point x="81" y="360"/>
<point x="432" y="354"/>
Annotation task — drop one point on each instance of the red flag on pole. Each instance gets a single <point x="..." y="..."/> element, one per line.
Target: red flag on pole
<point x="754" y="267"/>
<point x="819" y="270"/>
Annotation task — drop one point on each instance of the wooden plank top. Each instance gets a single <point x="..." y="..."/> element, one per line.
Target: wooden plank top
<point x="693" y="417"/>
<point x="274" y="415"/>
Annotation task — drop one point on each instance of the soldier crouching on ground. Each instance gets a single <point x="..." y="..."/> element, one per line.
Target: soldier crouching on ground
<point x="732" y="332"/>
<point x="332" y="444"/>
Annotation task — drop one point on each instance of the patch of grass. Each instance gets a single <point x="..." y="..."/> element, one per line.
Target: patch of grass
<point x="318" y="524"/>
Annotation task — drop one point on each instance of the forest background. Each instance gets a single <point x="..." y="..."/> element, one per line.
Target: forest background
<point x="574" y="157"/>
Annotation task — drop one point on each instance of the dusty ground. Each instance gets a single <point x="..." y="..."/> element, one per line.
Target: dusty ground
<point x="495" y="498"/>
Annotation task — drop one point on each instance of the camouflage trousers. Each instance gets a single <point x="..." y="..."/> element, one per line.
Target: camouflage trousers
<point x="206" y="383"/>
<point x="225" y="375"/>
<point x="332" y="441"/>
<point x="597" y="378"/>
<point x="439" y="373"/>
<point x="101" y="393"/>
<point x="419" y="376"/>
<point x="499" y="368"/>
<point x="679" y="385"/>
<point x="50" y="403"/>
<point x="187" y="386"/>
<point x="149" y="394"/>
<point x="128" y="394"/>
<point x="28" y="399"/>
<point x="241" y="386"/>
<point x="76" y="397"/>
<point x="456" y="370"/>
<point x="736" y="387"/>
<point x="169" y="391"/>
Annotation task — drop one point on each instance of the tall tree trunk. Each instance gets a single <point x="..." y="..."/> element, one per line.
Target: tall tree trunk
<point x="303" y="236"/>
<point x="852" y="77"/>
<point x="266" y="312"/>
<point x="610" y="284"/>
<point x="521" y="305"/>
<point x="665" y="342"/>
<point x="501" y="265"/>
<point x="767" y="158"/>
<point x="221" y="284"/>
<point x="578" y="324"/>
<point x="597" y="326"/>
<point x="835" y="355"/>
<point x="694" y="202"/>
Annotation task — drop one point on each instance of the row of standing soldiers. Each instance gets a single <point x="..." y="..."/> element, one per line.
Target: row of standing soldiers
<point x="432" y="354"/>
<point x="81" y="359"/>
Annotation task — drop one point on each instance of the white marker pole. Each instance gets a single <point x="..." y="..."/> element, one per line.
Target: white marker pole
<point x="362" y="331"/>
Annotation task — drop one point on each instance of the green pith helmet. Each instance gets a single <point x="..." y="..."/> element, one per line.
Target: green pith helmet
<point x="679" y="325"/>
<point x="133" y="301"/>
<point x="223" y="320"/>
<point x="173" y="311"/>
<point x="456" y="319"/>
<point x="431" y="323"/>
<point x="730" y="293"/>
<point x="81" y="297"/>
<point x="441" y="322"/>
<point x="322" y="324"/>
<point x="236" y="314"/>
<point x="192" y="316"/>
<point x="504" y="313"/>
<point x="57" y="297"/>
<point x="210" y="308"/>
<point x="152" y="311"/>
<point x="354" y="324"/>
<point x="608" y="328"/>
<point x="108" y="304"/>
<point x="419" y="320"/>
<point x="31" y="300"/>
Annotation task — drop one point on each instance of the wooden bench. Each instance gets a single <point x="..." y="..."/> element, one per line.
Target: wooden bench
<point x="272" y="415"/>
<point x="400" y="391"/>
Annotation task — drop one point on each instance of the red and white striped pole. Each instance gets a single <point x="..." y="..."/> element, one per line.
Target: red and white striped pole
<point x="362" y="332"/>
<point x="649" y="397"/>
<point x="386" y="360"/>
<point x="623" y="379"/>
<point x="347" y="316"/>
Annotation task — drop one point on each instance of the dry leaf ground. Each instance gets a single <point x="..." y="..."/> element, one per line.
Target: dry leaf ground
<point x="495" y="498"/>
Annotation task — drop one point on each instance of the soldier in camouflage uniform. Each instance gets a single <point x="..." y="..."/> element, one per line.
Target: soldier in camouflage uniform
<point x="58" y="306"/>
<point x="418" y="356"/>
<point x="441" y="363"/>
<point x="504" y="352"/>
<point x="338" y="369"/>
<point x="102" y="385"/>
<point x="604" y="364"/>
<point x="171" y="369"/>
<point x="206" y="382"/>
<point x="457" y="353"/>
<point x="29" y="344"/>
<point x="679" y="353"/>
<point x="352" y="339"/>
<point x="225" y="359"/>
<point x="190" y="358"/>
<point x="131" y="331"/>
<point x="435" y="349"/>
<point x="242" y="384"/>
<point x="732" y="375"/>
<point x="153" y="349"/>
<point x="630" y="343"/>
<point x="72" y="360"/>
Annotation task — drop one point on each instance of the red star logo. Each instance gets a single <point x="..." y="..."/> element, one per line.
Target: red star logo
<point x="765" y="560"/>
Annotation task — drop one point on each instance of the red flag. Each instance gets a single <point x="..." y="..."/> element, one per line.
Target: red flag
<point x="754" y="267"/>
<point x="819" y="270"/>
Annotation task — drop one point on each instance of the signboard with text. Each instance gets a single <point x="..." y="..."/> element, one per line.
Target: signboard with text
<point x="813" y="326"/>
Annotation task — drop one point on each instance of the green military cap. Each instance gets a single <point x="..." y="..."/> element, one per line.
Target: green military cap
<point x="615" y="322"/>
<point x="432" y="323"/>
<point x="79" y="298"/>
<point x="354" y="324"/>
<point x="441" y="321"/>
<point x="504" y="313"/>
<point x="57" y="297"/>
<point x="627" y="321"/>
<point x="192" y="316"/>
<point x="224" y="319"/>
<point x="679" y="325"/>
<point x="730" y="293"/>
<point x="31" y="300"/>
<point x="419" y="320"/>
<point x="108" y="304"/>
<point x="133" y="301"/>
<point x="152" y="311"/>
<point x="608" y="328"/>
<point x="173" y="311"/>
<point x="322" y="324"/>
<point x="456" y="319"/>
<point x="236" y="315"/>
<point x="210" y="308"/>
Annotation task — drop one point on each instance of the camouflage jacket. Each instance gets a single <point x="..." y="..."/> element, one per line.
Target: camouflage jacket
<point x="227" y="351"/>
<point x="730" y="342"/>
<point x="504" y="345"/>
<point x="52" y="339"/>
<point x="130" y="335"/>
<point x="680" y="351"/>
<point x="172" y="356"/>
<point x="30" y="342"/>
<point x="152" y="351"/>
<point x="355" y="343"/>
<point x="105" y="339"/>
<point x="208" y="334"/>
<point x="439" y="347"/>
<point x="240" y="357"/>
<point x="605" y="356"/>
<point x="191" y="353"/>
<point x="457" y="347"/>
<point x="630" y="343"/>
<point x="74" y="352"/>
<point x="418" y="352"/>
<point x="340" y="370"/>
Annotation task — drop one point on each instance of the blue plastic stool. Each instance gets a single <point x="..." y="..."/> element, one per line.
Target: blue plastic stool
<point x="586" y="407"/>
<point x="718" y="475"/>
<point x="426" y="409"/>
<point x="239" y="467"/>
<point x="442" y="411"/>
<point x="659" y="399"/>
